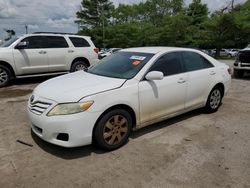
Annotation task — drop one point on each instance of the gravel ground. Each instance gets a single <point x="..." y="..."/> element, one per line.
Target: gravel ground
<point x="192" y="150"/>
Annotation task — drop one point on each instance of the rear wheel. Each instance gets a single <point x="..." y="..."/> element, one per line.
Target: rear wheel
<point x="113" y="129"/>
<point x="78" y="66"/>
<point x="214" y="100"/>
<point x="4" y="76"/>
<point x="238" y="73"/>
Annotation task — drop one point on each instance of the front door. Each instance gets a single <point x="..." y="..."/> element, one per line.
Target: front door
<point x="34" y="58"/>
<point x="161" y="98"/>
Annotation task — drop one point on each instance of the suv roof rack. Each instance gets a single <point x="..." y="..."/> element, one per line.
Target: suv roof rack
<point x="54" y="33"/>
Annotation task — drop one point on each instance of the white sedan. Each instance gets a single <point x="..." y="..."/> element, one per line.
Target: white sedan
<point x="128" y="90"/>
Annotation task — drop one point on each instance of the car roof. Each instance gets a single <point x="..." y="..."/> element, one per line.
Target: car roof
<point x="155" y="50"/>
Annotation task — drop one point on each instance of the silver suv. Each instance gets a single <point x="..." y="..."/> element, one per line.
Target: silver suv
<point x="41" y="54"/>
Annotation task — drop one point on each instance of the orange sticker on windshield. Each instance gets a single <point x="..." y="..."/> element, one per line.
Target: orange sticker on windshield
<point x="136" y="62"/>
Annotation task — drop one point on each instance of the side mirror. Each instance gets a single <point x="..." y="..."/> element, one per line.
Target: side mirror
<point x="154" y="75"/>
<point x="22" y="45"/>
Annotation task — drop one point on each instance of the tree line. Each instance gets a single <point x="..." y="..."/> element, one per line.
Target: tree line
<point x="165" y="23"/>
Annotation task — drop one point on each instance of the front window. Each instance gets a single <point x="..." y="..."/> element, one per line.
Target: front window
<point x="9" y="42"/>
<point x="124" y="65"/>
<point x="169" y="64"/>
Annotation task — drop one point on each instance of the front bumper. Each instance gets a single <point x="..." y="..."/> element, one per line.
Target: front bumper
<point x="241" y="66"/>
<point x="78" y="127"/>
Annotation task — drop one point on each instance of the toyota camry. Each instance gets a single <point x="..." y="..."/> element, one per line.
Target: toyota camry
<point x="128" y="90"/>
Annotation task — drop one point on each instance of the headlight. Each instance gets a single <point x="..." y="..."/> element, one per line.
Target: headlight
<point x="70" y="108"/>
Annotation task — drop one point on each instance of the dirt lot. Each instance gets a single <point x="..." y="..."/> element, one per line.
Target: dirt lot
<point x="193" y="150"/>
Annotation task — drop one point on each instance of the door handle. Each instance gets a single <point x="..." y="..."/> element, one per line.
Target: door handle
<point x="181" y="81"/>
<point x="70" y="51"/>
<point x="212" y="73"/>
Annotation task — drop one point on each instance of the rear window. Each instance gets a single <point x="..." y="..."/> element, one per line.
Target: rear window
<point x="194" y="61"/>
<point x="79" y="42"/>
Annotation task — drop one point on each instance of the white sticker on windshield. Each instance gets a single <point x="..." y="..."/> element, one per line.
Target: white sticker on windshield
<point x="140" y="58"/>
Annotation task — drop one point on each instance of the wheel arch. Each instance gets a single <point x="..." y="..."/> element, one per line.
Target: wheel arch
<point x="221" y="86"/>
<point x="118" y="106"/>
<point x="4" y="63"/>
<point x="80" y="59"/>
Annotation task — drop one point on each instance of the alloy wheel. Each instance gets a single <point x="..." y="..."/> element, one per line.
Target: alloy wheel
<point x="80" y="67"/>
<point x="115" y="130"/>
<point x="215" y="99"/>
<point x="3" y="76"/>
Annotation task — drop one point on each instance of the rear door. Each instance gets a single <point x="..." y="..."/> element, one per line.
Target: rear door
<point x="161" y="98"/>
<point x="200" y="74"/>
<point x="57" y="50"/>
<point x="34" y="58"/>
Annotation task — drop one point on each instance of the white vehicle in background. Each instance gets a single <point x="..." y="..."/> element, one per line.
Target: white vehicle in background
<point x="233" y="52"/>
<point x="41" y="54"/>
<point x="108" y="52"/>
<point x="126" y="91"/>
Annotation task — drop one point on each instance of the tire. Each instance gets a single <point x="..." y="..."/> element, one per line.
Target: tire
<point x="5" y="76"/>
<point x="78" y="66"/>
<point x="214" y="100"/>
<point x="113" y="129"/>
<point x="238" y="73"/>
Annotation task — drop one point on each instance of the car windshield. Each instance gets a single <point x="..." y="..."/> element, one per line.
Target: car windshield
<point x="124" y="65"/>
<point x="9" y="42"/>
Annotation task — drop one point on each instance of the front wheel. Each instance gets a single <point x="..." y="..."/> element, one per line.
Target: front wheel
<point x="113" y="129"/>
<point x="214" y="100"/>
<point x="4" y="76"/>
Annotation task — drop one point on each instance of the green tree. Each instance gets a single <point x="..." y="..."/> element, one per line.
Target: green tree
<point x="198" y="12"/>
<point x="94" y="12"/>
<point x="221" y="30"/>
<point x="241" y="15"/>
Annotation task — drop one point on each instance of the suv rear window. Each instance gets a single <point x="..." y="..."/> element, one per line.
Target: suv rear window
<point x="79" y="42"/>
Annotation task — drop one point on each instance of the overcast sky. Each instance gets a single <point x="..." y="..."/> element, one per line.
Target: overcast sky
<point x="54" y="15"/>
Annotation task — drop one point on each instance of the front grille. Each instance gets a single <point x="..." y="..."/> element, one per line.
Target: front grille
<point x="245" y="64"/>
<point x="244" y="56"/>
<point x="38" y="107"/>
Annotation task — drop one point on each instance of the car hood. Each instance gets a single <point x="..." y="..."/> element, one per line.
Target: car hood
<point x="75" y="86"/>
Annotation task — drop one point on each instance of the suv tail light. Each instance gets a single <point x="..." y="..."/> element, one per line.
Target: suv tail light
<point x="96" y="50"/>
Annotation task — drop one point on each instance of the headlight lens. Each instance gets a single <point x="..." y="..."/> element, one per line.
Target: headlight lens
<point x="70" y="108"/>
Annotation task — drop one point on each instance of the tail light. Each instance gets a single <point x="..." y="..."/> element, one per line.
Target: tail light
<point x="229" y="71"/>
<point x="96" y="50"/>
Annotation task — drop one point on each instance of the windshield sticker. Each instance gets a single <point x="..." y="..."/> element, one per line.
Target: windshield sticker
<point x="141" y="58"/>
<point x="136" y="62"/>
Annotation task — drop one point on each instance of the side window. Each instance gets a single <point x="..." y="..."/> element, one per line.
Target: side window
<point x="169" y="64"/>
<point x="194" y="61"/>
<point x="207" y="64"/>
<point x="35" y="42"/>
<point x="56" y="42"/>
<point x="79" y="42"/>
